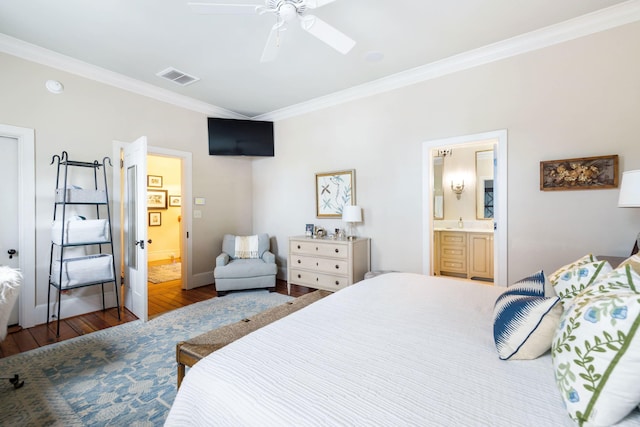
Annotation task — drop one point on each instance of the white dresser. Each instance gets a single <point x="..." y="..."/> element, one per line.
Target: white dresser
<point x="326" y="263"/>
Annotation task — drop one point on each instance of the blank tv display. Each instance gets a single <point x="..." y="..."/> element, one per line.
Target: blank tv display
<point x="232" y="137"/>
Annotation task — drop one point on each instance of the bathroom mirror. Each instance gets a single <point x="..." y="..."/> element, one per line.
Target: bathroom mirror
<point x="438" y="193"/>
<point x="484" y="184"/>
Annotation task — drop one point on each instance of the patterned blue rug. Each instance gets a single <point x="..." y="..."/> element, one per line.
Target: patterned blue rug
<point x="121" y="376"/>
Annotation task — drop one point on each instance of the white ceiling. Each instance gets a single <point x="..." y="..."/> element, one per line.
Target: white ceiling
<point x="139" y="38"/>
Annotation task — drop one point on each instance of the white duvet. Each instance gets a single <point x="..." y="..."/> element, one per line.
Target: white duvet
<point x="398" y="349"/>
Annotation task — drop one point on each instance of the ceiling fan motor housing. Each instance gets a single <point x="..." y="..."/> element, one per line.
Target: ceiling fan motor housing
<point x="287" y="9"/>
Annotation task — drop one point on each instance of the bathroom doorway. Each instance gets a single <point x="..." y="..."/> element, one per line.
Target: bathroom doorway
<point x="464" y="196"/>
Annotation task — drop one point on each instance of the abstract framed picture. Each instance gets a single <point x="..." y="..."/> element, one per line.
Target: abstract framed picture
<point x="334" y="190"/>
<point x="584" y="173"/>
<point x="154" y="181"/>
<point x="155" y="219"/>
<point x="156" y="199"/>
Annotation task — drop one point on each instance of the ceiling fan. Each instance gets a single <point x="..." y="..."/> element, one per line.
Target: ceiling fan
<point x="285" y="12"/>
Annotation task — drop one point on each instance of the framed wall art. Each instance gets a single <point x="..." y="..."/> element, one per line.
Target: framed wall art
<point x="154" y="181"/>
<point x="155" y="219"/>
<point x="175" y="200"/>
<point x="156" y="199"/>
<point x="334" y="190"/>
<point x="585" y="173"/>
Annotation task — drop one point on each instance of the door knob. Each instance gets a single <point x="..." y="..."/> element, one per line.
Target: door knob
<point x="11" y="253"/>
<point x="141" y="243"/>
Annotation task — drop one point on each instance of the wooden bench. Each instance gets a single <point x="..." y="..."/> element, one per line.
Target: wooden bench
<point x="191" y="351"/>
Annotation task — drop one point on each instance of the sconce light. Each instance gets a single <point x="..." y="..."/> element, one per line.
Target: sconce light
<point x="457" y="188"/>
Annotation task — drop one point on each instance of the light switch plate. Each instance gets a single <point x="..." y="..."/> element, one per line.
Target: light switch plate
<point x="197" y="214"/>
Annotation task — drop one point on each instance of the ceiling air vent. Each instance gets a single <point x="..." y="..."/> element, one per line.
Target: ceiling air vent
<point x="177" y="76"/>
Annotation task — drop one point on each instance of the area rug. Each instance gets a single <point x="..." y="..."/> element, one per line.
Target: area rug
<point x="164" y="272"/>
<point x="121" y="376"/>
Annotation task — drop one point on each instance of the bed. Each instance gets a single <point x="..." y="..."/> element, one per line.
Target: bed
<point x="396" y="349"/>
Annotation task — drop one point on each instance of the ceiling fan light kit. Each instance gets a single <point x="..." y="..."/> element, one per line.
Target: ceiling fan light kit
<point x="285" y="12"/>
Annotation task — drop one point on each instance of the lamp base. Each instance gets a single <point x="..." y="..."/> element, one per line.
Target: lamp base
<point x="352" y="237"/>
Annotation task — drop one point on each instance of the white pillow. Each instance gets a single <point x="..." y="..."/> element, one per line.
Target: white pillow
<point x="524" y="321"/>
<point x="596" y="350"/>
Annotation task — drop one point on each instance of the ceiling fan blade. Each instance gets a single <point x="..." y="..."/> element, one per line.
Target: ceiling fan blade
<point x="223" y="9"/>
<point x="314" y="4"/>
<point x="273" y="43"/>
<point x="326" y="33"/>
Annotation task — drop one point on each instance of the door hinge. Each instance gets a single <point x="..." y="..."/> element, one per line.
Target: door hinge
<point x="121" y="163"/>
<point x="187" y="234"/>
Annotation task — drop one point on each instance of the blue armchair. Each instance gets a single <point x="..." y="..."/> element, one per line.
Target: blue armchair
<point x="235" y="272"/>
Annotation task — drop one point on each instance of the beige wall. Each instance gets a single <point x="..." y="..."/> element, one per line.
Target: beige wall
<point x="84" y="121"/>
<point x="579" y="98"/>
<point x="576" y="99"/>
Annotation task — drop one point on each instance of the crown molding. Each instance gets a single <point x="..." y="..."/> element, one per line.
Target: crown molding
<point x="47" y="57"/>
<point x="601" y="20"/>
<point x="591" y="23"/>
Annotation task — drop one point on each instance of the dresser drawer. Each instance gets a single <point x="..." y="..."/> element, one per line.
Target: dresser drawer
<point x="320" y="248"/>
<point x="318" y="280"/>
<point x="453" y="265"/>
<point x="456" y="252"/>
<point x="453" y="238"/>
<point x="325" y="265"/>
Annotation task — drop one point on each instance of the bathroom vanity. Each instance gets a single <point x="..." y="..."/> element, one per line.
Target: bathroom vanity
<point x="464" y="253"/>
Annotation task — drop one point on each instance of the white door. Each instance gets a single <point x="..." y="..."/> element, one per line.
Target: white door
<point x="135" y="227"/>
<point x="9" y="211"/>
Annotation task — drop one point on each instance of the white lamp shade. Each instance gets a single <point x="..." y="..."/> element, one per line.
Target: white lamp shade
<point x="630" y="190"/>
<point x="352" y="213"/>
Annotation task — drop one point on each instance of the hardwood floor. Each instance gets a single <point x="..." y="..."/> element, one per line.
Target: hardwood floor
<point x="163" y="297"/>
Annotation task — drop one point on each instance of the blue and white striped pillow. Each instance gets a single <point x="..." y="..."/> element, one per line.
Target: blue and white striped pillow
<point x="524" y="320"/>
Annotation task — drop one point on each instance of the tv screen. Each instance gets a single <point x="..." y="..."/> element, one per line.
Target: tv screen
<point x="233" y="137"/>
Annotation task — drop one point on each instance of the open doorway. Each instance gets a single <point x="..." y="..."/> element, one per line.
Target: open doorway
<point x="164" y="228"/>
<point x="134" y="188"/>
<point x="444" y="211"/>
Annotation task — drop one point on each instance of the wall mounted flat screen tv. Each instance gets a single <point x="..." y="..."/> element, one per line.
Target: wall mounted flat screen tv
<point x="233" y="137"/>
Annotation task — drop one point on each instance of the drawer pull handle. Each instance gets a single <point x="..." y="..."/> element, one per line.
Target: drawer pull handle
<point x="298" y="246"/>
<point x="317" y="279"/>
<point x="316" y="248"/>
<point x="299" y="261"/>
<point x="299" y="276"/>
<point x="317" y="264"/>
<point x="337" y="250"/>
<point x="337" y="267"/>
<point x="337" y="283"/>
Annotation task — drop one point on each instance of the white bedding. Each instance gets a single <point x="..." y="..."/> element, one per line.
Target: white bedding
<point x="397" y="349"/>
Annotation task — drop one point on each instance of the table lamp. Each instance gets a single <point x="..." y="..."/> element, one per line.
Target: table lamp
<point x="630" y="190"/>
<point x="351" y="214"/>
<point x="630" y="195"/>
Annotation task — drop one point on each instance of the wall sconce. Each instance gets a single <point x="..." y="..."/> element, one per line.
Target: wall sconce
<point x="457" y="188"/>
<point x="445" y="152"/>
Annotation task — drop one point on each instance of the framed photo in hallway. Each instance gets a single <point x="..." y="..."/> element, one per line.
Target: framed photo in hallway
<point x="155" y="219"/>
<point x="154" y="181"/>
<point x="156" y="199"/>
<point x="175" y="200"/>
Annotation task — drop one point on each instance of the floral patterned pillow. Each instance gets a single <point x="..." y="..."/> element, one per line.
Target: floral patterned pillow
<point x="596" y="350"/>
<point x="553" y="278"/>
<point x="573" y="280"/>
